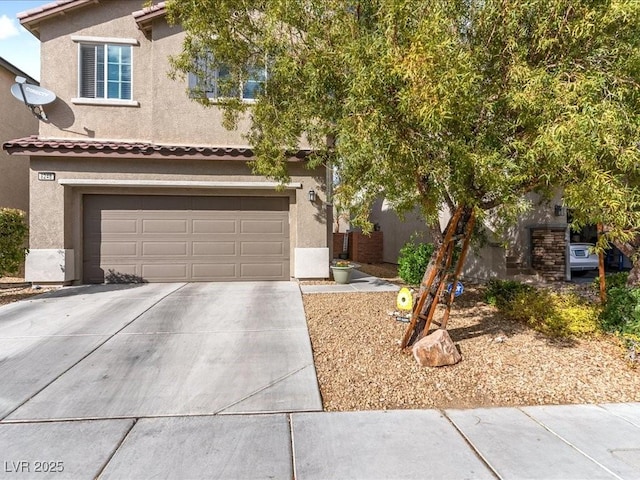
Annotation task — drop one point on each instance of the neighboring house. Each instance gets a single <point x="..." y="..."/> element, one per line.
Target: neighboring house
<point x="536" y="244"/>
<point x="131" y="180"/>
<point x="16" y="121"/>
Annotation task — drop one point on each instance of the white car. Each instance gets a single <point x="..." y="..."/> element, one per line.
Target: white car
<point x="582" y="259"/>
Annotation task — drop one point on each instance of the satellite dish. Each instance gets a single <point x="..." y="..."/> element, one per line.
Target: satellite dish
<point x="33" y="96"/>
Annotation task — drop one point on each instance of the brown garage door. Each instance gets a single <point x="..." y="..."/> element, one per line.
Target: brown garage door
<point x="130" y="238"/>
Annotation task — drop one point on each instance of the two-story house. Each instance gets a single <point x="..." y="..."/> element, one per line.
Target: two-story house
<point x="131" y="180"/>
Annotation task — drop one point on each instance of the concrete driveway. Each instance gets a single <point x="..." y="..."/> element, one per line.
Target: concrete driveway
<point x="118" y="351"/>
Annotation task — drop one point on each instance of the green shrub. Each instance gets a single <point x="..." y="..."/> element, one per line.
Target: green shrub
<point x="621" y="311"/>
<point x="13" y="236"/>
<point x="500" y="292"/>
<point x="613" y="280"/>
<point x="413" y="261"/>
<point x="554" y="314"/>
<point x="621" y="315"/>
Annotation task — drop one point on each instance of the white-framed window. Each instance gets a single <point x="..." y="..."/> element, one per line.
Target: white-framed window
<point x="105" y="71"/>
<point x="217" y="82"/>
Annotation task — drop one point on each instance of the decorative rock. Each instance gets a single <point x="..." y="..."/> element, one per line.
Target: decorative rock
<point x="436" y="350"/>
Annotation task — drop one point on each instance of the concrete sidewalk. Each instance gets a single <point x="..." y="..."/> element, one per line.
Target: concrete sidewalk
<point x="360" y="282"/>
<point x="554" y="442"/>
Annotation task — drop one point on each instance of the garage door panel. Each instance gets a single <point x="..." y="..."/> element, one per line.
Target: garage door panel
<point x="262" y="249"/>
<point x="262" y="227"/>
<point x="115" y="226"/>
<point x="165" y="272"/>
<point x="117" y="249"/>
<point x="214" y="271"/>
<point x="214" y="226"/>
<point x="261" y="270"/>
<point x="169" y="238"/>
<point x="164" y="226"/>
<point x="214" y="249"/>
<point x="164" y="249"/>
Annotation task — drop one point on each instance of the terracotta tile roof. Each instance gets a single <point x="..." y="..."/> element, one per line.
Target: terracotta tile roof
<point x="44" y="9"/>
<point x="30" y="18"/>
<point x="149" y="12"/>
<point x="145" y="17"/>
<point x="84" y="148"/>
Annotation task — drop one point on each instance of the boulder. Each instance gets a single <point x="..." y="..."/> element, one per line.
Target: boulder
<point x="436" y="350"/>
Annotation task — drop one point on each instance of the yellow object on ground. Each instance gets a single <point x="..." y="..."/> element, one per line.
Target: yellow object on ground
<point x="405" y="299"/>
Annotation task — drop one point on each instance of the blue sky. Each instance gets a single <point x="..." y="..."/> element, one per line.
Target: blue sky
<point x="18" y="46"/>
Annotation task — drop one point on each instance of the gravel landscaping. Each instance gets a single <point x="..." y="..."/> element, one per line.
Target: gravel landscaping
<point x="13" y="289"/>
<point x="504" y="363"/>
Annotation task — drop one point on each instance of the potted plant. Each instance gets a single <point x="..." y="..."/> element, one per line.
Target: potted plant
<point x="341" y="270"/>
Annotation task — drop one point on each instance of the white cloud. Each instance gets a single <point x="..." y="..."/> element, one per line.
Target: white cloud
<point x="8" y="27"/>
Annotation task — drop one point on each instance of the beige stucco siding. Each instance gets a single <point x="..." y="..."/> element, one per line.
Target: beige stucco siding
<point x="15" y="121"/>
<point x="60" y="74"/>
<point x="47" y="213"/>
<point x="165" y="113"/>
<point x="177" y="119"/>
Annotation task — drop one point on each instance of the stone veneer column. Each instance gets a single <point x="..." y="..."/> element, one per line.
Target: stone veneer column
<point x="548" y="252"/>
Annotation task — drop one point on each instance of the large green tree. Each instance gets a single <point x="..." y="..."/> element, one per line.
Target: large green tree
<point x="470" y="103"/>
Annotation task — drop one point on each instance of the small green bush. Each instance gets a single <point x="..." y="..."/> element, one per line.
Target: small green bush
<point x="621" y="316"/>
<point x="613" y="280"/>
<point x="554" y="314"/>
<point x="413" y="261"/>
<point x="500" y="292"/>
<point x="621" y="311"/>
<point x="13" y="236"/>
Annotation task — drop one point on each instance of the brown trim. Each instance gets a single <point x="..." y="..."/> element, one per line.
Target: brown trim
<point x="109" y="149"/>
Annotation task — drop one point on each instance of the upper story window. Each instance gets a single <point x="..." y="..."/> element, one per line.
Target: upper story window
<point x="217" y="83"/>
<point x="105" y="70"/>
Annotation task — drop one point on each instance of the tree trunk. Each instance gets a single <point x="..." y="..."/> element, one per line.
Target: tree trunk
<point x="601" y="272"/>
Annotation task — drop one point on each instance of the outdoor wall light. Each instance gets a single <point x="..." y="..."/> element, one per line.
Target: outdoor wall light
<point x="558" y="210"/>
<point x="312" y="196"/>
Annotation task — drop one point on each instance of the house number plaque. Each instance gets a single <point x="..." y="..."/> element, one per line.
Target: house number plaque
<point x="46" y="176"/>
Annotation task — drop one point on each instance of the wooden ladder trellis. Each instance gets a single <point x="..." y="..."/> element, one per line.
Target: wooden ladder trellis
<point x="459" y="230"/>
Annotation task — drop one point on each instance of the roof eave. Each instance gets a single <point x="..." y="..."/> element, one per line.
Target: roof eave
<point x="16" y="71"/>
<point x="145" y="17"/>
<point x="33" y="146"/>
<point x="31" y="19"/>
